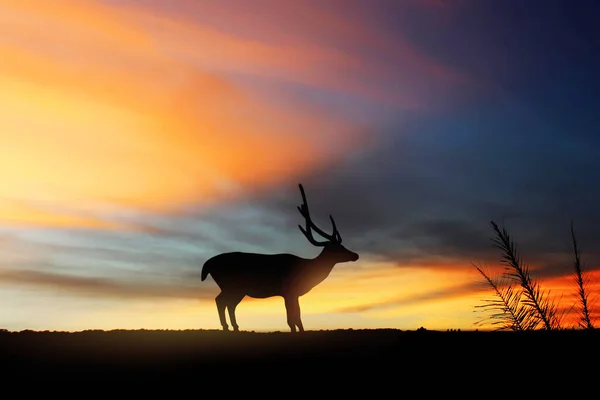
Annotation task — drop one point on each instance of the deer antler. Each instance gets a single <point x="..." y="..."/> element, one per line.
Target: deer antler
<point x="310" y="225"/>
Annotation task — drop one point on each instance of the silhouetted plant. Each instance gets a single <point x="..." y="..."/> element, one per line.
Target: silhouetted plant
<point x="527" y="307"/>
<point x="582" y="282"/>
<point x="508" y="312"/>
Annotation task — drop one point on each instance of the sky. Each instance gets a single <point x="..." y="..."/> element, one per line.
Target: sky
<point x="140" y="138"/>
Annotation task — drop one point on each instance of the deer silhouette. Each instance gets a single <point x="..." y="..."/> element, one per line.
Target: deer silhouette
<point x="266" y="275"/>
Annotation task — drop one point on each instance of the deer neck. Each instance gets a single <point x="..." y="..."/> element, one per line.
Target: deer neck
<point x="323" y="263"/>
<point x="313" y="272"/>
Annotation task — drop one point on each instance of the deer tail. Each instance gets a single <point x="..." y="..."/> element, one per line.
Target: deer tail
<point x="206" y="269"/>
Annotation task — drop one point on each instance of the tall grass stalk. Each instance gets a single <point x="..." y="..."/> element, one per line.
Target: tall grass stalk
<point x="544" y="309"/>
<point x="581" y="281"/>
<point x="507" y="309"/>
<point x="529" y="305"/>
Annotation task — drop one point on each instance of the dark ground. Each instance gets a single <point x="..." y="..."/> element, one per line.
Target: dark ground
<point x="429" y="360"/>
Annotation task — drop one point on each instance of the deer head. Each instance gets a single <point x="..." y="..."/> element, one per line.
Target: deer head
<point x="332" y="246"/>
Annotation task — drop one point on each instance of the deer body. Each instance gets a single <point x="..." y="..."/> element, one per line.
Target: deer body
<point x="266" y="275"/>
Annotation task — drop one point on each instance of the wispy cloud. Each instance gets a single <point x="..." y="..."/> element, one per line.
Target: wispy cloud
<point x="95" y="111"/>
<point x="141" y="105"/>
<point x="99" y="287"/>
<point x="429" y="296"/>
<point x="333" y="45"/>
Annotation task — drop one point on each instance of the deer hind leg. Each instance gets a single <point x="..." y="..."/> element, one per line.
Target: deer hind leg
<point x="292" y="307"/>
<point x="221" y="301"/>
<point x="232" y="302"/>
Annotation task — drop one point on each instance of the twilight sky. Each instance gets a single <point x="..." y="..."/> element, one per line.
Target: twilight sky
<point x="139" y="138"/>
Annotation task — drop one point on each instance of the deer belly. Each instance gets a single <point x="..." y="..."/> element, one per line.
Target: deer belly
<point x="261" y="290"/>
<point x="262" y="293"/>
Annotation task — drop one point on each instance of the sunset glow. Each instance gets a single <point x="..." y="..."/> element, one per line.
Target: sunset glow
<point x="143" y="128"/>
<point x="139" y="139"/>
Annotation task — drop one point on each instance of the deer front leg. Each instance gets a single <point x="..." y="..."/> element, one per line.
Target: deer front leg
<point x="298" y="319"/>
<point x="292" y="307"/>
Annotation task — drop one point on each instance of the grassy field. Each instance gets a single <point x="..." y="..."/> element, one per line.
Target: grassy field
<point x="362" y="357"/>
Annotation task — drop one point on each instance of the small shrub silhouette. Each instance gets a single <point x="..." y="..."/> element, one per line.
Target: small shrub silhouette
<point x="520" y="303"/>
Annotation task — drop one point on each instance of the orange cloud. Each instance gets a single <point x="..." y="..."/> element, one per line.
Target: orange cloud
<point x="304" y="62"/>
<point x="94" y="110"/>
<point x="307" y="42"/>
